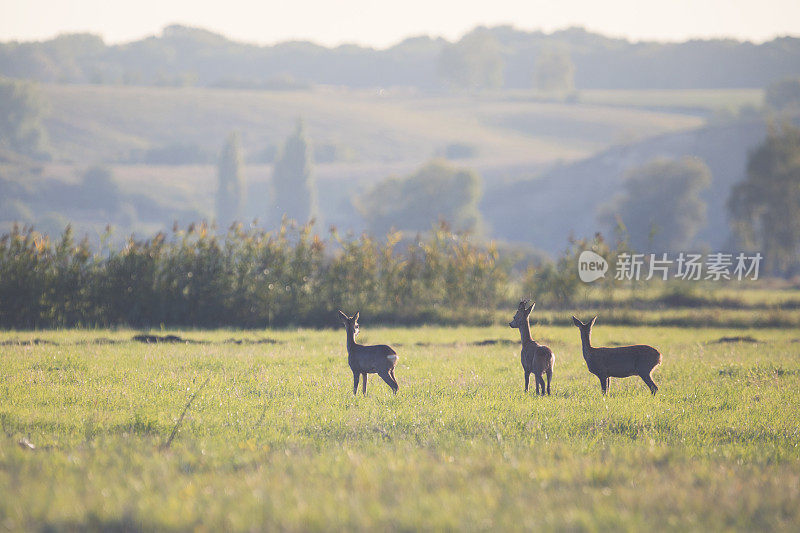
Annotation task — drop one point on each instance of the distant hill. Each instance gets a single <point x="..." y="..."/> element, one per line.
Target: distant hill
<point x="183" y="56"/>
<point x="564" y="201"/>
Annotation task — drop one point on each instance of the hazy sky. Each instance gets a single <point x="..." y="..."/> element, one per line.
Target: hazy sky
<point x="384" y="23"/>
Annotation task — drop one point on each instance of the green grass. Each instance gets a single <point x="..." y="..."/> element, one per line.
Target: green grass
<point x="687" y="318"/>
<point x="759" y="294"/>
<point x="277" y="441"/>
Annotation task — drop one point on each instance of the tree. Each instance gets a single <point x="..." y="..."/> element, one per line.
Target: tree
<point x="21" y="111"/>
<point x="783" y="95"/>
<point x="765" y="207"/>
<point x="99" y="190"/>
<point x="294" y="189"/>
<point x="660" y="205"/>
<point x="554" y="71"/>
<point x="437" y="191"/>
<point x="474" y="62"/>
<point x="230" y="189"/>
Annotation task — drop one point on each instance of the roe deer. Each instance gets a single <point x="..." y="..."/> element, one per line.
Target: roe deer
<point x="619" y="362"/>
<point x="536" y="358"/>
<point x="379" y="359"/>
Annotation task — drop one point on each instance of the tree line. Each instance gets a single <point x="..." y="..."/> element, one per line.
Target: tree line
<point x="251" y="277"/>
<point x="247" y="278"/>
<point x="501" y="56"/>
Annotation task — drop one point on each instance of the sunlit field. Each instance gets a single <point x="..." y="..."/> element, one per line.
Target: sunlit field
<point x="711" y="99"/>
<point x="274" y="438"/>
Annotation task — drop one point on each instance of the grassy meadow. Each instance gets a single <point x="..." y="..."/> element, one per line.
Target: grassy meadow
<point x="274" y="438"/>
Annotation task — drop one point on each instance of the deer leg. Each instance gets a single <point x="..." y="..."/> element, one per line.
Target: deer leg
<point x="648" y="379"/>
<point x="527" y="380"/>
<point x="389" y="381"/>
<point x="603" y="383"/>
<point x="541" y="382"/>
<point x="355" y="383"/>
<point x="391" y="373"/>
<point x="364" y="384"/>
<point x="549" y="376"/>
<point x="608" y="385"/>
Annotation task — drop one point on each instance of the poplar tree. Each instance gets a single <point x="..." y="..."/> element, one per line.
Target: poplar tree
<point x="230" y="191"/>
<point x="294" y="192"/>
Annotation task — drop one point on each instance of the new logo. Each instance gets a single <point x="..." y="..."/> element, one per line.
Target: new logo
<point x="591" y="266"/>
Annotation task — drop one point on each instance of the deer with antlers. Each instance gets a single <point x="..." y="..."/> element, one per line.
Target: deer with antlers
<point x="378" y="359"/>
<point x="536" y="358"/>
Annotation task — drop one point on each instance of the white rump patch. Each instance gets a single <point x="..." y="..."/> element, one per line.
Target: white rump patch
<point x="391" y="357"/>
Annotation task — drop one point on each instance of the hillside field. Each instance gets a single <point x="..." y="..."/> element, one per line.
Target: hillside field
<point x="368" y="135"/>
<point x="276" y="440"/>
<point x="687" y="99"/>
<point x="96" y="123"/>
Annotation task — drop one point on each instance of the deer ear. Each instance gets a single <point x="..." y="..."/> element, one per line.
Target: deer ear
<point x="355" y="316"/>
<point x="576" y="322"/>
<point x="342" y="316"/>
<point x="591" y="322"/>
<point x="528" y="310"/>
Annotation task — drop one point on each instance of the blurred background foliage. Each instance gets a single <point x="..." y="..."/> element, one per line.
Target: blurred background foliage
<point x="246" y="278"/>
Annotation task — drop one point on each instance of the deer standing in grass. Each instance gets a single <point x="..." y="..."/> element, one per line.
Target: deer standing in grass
<point x="379" y="359"/>
<point x="619" y="362"/>
<point x="536" y="358"/>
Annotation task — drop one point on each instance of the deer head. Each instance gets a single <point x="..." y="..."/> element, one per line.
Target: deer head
<point x="350" y="323"/>
<point x="587" y="327"/>
<point x="521" y="316"/>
